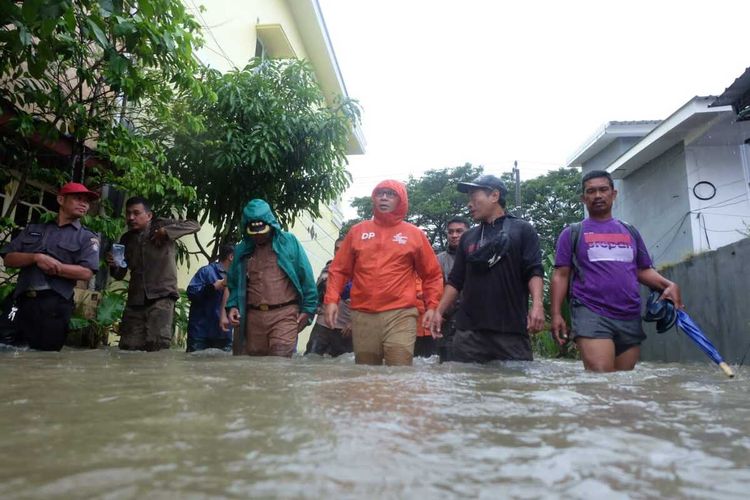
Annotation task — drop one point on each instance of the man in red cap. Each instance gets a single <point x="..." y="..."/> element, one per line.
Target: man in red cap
<point x="382" y="256"/>
<point x="52" y="257"/>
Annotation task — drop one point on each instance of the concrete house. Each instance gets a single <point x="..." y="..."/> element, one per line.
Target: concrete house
<point x="684" y="181"/>
<point x="237" y="31"/>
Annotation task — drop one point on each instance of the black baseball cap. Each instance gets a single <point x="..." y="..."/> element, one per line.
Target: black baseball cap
<point x="484" y="182"/>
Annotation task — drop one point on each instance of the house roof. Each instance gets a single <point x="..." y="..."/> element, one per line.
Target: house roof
<point x="605" y="135"/>
<point x="317" y="42"/>
<point x="738" y="90"/>
<point x="685" y="124"/>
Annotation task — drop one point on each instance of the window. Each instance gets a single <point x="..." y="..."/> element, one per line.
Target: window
<point x="32" y="203"/>
<point x="260" y="49"/>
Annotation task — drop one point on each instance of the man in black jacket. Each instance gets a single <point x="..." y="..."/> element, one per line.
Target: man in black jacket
<point x="498" y="266"/>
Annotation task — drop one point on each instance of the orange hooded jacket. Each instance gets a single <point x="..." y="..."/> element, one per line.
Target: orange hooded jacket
<point x="380" y="256"/>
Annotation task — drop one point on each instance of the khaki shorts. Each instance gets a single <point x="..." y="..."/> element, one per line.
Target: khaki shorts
<point x="385" y="336"/>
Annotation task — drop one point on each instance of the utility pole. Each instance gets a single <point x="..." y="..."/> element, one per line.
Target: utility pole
<point x="517" y="177"/>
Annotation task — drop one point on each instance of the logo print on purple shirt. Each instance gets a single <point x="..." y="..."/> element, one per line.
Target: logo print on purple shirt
<point x="609" y="247"/>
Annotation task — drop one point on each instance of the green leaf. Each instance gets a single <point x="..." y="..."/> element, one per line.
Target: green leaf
<point x="146" y="8"/>
<point x="118" y="65"/>
<point x="24" y="36"/>
<point x="168" y="41"/>
<point x="70" y="21"/>
<point x="124" y="28"/>
<point x="37" y="66"/>
<point x="30" y="11"/>
<point x="52" y="10"/>
<point x="100" y="36"/>
<point x="107" y="7"/>
<point x="110" y="309"/>
<point x="77" y="323"/>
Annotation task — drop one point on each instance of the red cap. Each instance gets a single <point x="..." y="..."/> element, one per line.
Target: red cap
<point x="77" y="188"/>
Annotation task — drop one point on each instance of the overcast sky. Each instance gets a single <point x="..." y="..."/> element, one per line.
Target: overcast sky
<point x="442" y="83"/>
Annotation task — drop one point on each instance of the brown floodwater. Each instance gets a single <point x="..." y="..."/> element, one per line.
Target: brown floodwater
<point x="110" y="424"/>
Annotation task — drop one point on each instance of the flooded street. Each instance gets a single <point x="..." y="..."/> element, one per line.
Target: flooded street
<point x="107" y="424"/>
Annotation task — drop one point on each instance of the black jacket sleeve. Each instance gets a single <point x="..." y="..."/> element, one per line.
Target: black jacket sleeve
<point x="531" y="253"/>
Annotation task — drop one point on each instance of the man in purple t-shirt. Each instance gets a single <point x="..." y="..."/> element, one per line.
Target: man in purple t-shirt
<point x="605" y="303"/>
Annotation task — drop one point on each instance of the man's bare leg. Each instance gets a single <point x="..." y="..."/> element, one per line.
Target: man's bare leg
<point x="626" y="360"/>
<point x="598" y="355"/>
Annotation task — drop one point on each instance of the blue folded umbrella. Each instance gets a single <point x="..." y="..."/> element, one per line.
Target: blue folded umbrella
<point x="692" y="330"/>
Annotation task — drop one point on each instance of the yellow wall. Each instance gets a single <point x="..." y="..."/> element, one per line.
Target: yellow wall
<point x="232" y="24"/>
<point x="231" y="42"/>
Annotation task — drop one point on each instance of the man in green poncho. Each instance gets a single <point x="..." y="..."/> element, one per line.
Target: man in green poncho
<point x="272" y="293"/>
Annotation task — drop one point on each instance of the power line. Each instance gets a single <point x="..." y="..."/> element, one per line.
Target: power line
<point x="674" y="236"/>
<point x="211" y="33"/>
<point x="721" y="230"/>
<point x="744" y="216"/>
<point x="702" y="218"/>
<point x="668" y="231"/>
<point x="218" y="54"/>
<point x="726" y="203"/>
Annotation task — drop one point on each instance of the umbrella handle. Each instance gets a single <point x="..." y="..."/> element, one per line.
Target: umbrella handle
<point x="726" y="369"/>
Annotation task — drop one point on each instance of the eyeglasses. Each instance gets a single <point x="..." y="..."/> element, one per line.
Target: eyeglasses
<point x="388" y="193"/>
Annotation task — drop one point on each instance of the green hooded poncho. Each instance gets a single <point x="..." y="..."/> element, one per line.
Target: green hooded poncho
<point x="292" y="259"/>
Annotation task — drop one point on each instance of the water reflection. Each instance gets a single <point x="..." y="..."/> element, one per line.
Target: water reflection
<point x="121" y="425"/>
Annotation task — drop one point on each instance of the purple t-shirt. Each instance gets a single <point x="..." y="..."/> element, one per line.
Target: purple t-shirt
<point x="607" y="259"/>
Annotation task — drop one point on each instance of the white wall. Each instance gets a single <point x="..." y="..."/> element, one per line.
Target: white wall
<point x="655" y="200"/>
<point x="720" y="220"/>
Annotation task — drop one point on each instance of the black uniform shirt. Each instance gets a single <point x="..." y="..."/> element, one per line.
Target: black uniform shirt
<point x="70" y="244"/>
<point x="496" y="298"/>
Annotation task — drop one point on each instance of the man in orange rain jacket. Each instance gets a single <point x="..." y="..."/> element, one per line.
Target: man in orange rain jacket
<point x="381" y="257"/>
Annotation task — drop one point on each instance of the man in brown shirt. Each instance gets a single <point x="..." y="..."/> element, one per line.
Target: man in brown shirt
<point x="272" y="293"/>
<point x="273" y="331"/>
<point x="150" y="256"/>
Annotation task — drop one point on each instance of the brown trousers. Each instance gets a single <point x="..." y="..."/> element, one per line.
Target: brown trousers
<point x="148" y="327"/>
<point x="272" y="333"/>
<point x="385" y="336"/>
